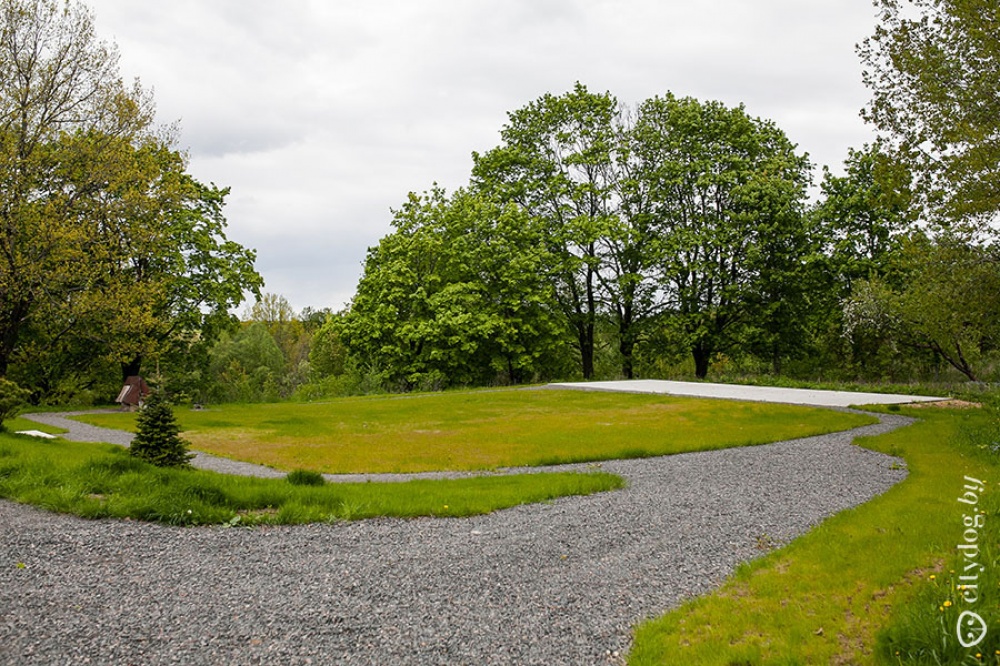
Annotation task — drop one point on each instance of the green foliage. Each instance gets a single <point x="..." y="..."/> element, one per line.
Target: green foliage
<point x="113" y="254"/>
<point x="726" y="192"/>
<point x="303" y="477"/>
<point x="292" y="335"/>
<point x="57" y="82"/>
<point x="248" y="367"/>
<point x="932" y="67"/>
<point x="864" y="216"/>
<point x="685" y="216"/>
<point x="558" y="164"/>
<point x="12" y="398"/>
<point x="454" y="297"/>
<point x="948" y="305"/>
<point x="327" y="353"/>
<point x="157" y="439"/>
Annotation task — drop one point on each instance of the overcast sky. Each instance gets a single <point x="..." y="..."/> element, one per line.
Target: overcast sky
<point x="322" y="114"/>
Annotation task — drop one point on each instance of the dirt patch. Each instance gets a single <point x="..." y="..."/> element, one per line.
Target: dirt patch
<point x="948" y="404"/>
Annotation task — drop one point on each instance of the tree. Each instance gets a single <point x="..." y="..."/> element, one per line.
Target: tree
<point x="864" y="215"/>
<point x="557" y="165"/>
<point x="56" y="78"/>
<point x="629" y="203"/>
<point x="247" y="367"/>
<point x="166" y="275"/>
<point x="726" y="194"/>
<point x="947" y="304"/>
<point x="455" y="295"/>
<point x="157" y="438"/>
<point x="934" y="70"/>
<point x="289" y="332"/>
<point x="327" y="354"/>
<point x="933" y="67"/>
<point x="110" y="251"/>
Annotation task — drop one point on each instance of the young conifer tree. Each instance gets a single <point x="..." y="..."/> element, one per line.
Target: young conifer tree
<point x="157" y="438"/>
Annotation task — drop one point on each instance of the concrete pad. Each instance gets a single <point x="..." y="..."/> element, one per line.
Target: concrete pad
<point x="815" y="398"/>
<point x="35" y="433"/>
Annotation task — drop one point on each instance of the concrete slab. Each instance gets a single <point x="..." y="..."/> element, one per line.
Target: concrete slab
<point x="792" y="396"/>
<point x="35" y="433"/>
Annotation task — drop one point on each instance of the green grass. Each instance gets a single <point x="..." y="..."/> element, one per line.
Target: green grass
<point x="104" y="481"/>
<point x="17" y="424"/>
<point x="861" y="579"/>
<point x="485" y="430"/>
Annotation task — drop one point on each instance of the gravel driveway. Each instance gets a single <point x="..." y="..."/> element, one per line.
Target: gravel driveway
<point x="557" y="583"/>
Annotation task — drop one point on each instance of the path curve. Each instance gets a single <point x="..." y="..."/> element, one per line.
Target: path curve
<point x="560" y="583"/>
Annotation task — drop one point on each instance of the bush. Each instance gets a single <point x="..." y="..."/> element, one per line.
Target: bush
<point x="157" y="438"/>
<point x="302" y="477"/>
<point x="12" y="398"/>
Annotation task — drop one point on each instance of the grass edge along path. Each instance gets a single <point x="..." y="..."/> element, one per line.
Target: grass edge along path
<point x="104" y="481"/>
<point x="824" y="598"/>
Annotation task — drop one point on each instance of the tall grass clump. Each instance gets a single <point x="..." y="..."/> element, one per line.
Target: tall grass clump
<point x="304" y="477"/>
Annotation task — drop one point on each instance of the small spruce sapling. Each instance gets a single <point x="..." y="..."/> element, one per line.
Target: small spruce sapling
<point x="157" y="438"/>
<point x="12" y="398"/>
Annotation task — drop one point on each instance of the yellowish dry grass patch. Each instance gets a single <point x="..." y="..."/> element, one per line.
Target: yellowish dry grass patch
<point x="482" y="430"/>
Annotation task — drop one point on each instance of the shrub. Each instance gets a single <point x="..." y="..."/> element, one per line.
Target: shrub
<point x="302" y="477"/>
<point x="12" y="398"/>
<point x="157" y="438"/>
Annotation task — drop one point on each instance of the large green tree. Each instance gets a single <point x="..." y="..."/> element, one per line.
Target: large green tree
<point x="557" y="163"/>
<point x="56" y="78"/>
<point x="109" y="250"/>
<point x="681" y="212"/>
<point x="864" y="216"/>
<point x="726" y="194"/>
<point x="934" y="69"/>
<point x="455" y="295"/>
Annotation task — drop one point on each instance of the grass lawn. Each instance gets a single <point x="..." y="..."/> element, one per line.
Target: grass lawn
<point x="873" y="585"/>
<point x="483" y="430"/>
<point x="104" y="481"/>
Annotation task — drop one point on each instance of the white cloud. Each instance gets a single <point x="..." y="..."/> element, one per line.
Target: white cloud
<point x="321" y="116"/>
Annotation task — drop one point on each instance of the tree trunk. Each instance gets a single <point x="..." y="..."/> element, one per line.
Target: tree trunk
<point x="702" y="355"/>
<point x="776" y="360"/>
<point x="626" y="337"/>
<point x="587" y="350"/>
<point x="131" y="369"/>
<point x="11" y="330"/>
<point x="626" y="345"/>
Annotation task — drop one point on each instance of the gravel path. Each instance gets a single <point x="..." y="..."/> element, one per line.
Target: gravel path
<point x="557" y="583"/>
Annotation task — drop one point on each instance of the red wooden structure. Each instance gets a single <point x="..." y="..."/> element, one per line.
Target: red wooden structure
<point x="133" y="393"/>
